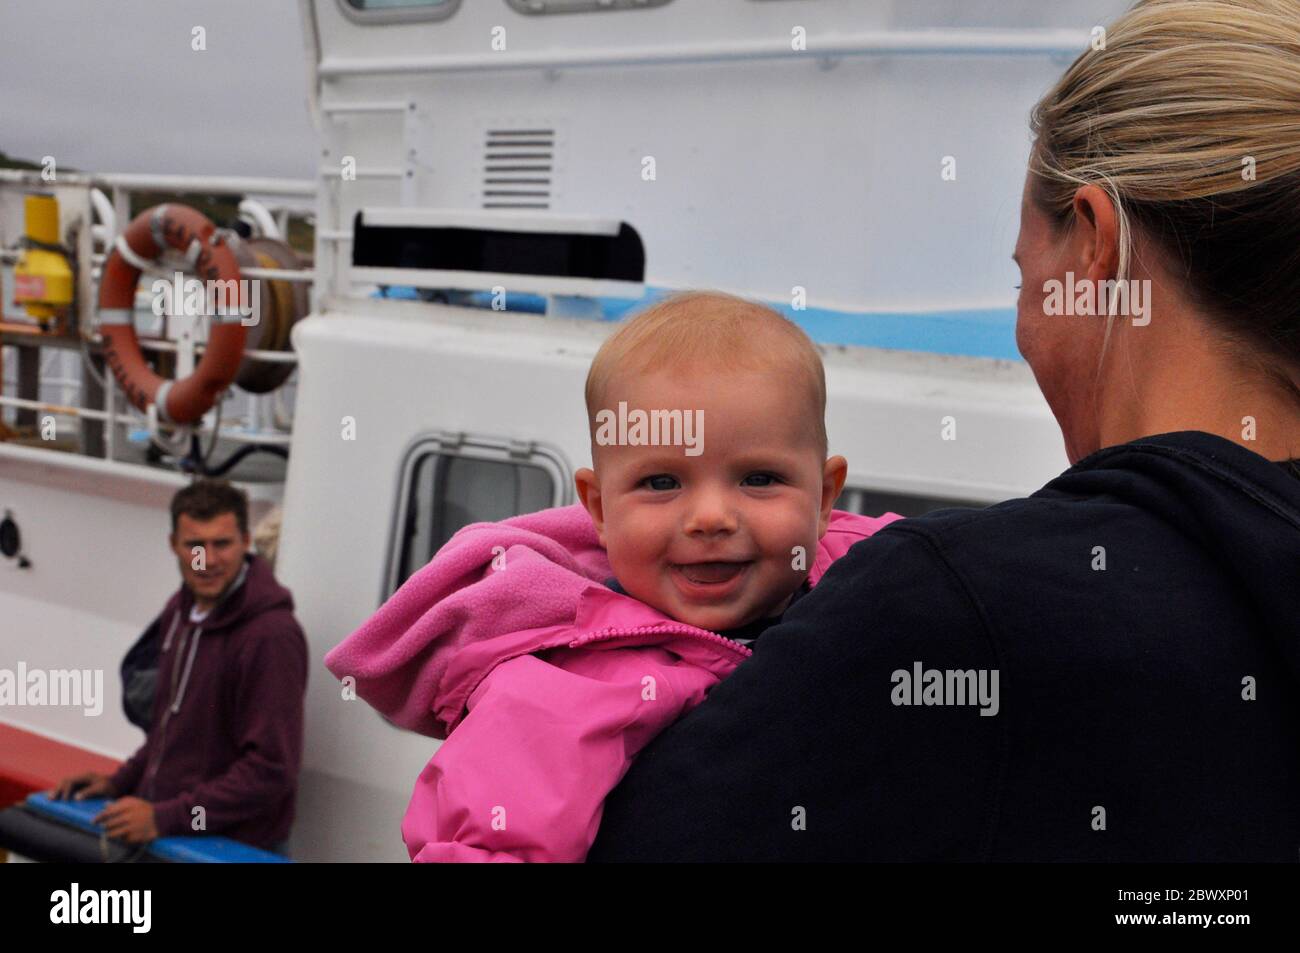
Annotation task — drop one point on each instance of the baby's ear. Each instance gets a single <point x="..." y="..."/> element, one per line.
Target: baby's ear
<point x="587" y="483"/>
<point x="834" y="473"/>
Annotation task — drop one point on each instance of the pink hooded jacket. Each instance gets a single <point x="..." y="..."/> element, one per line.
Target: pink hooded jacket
<point x="544" y="682"/>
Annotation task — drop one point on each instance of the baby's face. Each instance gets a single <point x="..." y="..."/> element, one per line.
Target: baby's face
<point x="714" y="539"/>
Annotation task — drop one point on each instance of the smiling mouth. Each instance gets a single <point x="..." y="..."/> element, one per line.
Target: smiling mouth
<point x="711" y="573"/>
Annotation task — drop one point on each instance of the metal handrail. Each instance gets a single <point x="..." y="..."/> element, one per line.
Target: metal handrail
<point x="158" y="344"/>
<point x="128" y="420"/>
<point x="878" y="42"/>
<point x="148" y="181"/>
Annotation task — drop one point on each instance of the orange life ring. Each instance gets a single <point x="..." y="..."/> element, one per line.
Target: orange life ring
<point x="189" y="232"/>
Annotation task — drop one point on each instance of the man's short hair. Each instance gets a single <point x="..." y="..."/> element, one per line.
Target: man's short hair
<point x="206" y="499"/>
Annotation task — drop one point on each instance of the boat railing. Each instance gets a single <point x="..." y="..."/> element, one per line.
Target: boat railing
<point x="94" y="208"/>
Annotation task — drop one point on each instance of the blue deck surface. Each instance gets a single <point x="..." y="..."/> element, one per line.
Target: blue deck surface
<point x="189" y="850"/>
<point x="986" y="332"/>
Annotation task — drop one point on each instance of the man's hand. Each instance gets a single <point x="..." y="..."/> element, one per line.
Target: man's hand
<point x="85" y="785"/>
<point x="128" y="819"/>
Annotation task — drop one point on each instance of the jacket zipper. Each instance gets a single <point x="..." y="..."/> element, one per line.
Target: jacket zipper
<point x="173" y="703"/>
<point x="609" y="633"/>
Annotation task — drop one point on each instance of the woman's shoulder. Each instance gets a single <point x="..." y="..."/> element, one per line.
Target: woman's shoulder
<point x="1128" y="545"/>
<point x="1157" y="485"/>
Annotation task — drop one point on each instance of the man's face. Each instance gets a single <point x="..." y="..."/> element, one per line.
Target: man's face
<point x="710" y="539"/>
<point x="209" y="553"/>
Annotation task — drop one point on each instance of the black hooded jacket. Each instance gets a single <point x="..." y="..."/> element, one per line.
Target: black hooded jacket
<point x="1142" y="615"/>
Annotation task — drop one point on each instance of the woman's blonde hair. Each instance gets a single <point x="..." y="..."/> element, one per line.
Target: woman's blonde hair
<point x="1188" y="116"/>
<point x="703" y="329"/>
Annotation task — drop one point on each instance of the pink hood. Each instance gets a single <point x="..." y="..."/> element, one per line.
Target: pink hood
<point x="418" y="659"/>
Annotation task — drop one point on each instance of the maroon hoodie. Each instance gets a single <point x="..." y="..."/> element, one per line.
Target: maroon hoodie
<point x="226" y="731"/>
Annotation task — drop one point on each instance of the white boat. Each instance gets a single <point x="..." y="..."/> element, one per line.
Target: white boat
<point x="857" y="164"/>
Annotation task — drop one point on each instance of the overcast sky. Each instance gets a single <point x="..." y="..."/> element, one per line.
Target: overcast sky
<point x="114" y="86"/>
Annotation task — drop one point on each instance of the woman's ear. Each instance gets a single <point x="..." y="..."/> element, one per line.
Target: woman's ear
<point x="1097" y="228"/>
<point x="587" y="483"/>
<point x="834" y="474"/>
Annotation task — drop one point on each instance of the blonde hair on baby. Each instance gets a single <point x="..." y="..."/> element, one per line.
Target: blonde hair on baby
<point x="710" y="329"/>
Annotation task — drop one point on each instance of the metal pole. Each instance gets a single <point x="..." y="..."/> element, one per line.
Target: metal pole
<point x="29" y="382"/>
<point x="110" y="431"/>
<point x="92" y="430"/>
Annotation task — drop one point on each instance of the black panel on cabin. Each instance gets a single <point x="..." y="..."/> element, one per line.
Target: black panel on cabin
<point x="618" y="257"/>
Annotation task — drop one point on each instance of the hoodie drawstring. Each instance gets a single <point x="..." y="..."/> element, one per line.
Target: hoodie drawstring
<point x="178" y="694"/>
<point x="167" y="642"/>
<point x="189" y="664"/>
<point x="178" y="690"/>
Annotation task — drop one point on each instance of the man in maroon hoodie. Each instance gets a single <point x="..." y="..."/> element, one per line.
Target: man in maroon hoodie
<point x="225" y="740"/>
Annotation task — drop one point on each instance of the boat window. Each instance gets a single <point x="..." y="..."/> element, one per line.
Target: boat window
<point x="869" y="502"/>
<point x="391" y="11"/>
<point x="541" y="7"/>
<point x="448" y="484"/>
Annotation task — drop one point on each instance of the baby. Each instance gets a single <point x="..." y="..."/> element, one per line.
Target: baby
<point x="549" y="649"/>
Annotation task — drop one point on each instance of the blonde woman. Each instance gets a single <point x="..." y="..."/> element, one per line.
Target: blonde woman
<point x="1106" y="670"/>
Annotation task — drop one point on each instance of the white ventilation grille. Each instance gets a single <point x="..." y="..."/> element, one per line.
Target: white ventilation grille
<point x="517" y="168"/>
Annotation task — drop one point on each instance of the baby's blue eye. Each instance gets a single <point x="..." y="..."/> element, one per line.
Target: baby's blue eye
<point x="762" y="476"/>
<point x="660" y="476"/>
